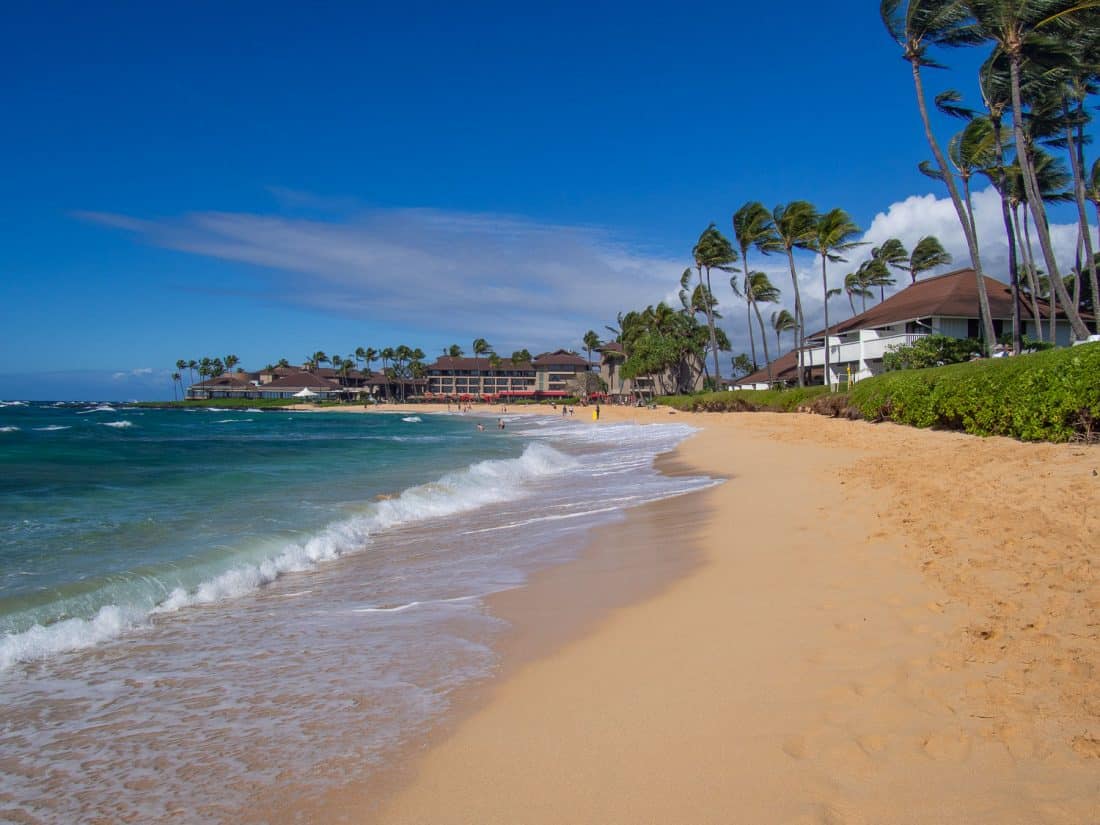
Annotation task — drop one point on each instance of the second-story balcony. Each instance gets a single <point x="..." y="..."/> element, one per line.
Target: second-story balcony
<point x="868" y="349"/>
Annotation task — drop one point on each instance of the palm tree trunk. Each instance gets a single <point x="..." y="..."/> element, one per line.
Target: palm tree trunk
<point x="752" y="338"/>
<point x="825" y="293"/>
<point x="1023" y="239"/>
<point x="800" y="329"/>
<point x="1083" y="221"/>
<point x="1038" y="211"/>
<point x="710" y="323"/>
<point x="1013" y="277"/>
<point x="949" y="179"/>
<point x="1006" y="218"/>
<point x="763" y="340"/>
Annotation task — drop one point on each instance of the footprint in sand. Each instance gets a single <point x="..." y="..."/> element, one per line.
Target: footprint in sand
<point x="947" y="746"/>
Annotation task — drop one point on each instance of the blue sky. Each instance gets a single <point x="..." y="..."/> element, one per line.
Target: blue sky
<point x="271" y="179"/>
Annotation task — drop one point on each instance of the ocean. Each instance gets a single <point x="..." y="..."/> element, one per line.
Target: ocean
<point x="202" y="609"/>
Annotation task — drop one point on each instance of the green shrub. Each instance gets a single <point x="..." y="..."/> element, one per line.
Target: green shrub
<point x="744" y="400"/>
<point x="1045" y="396"/>
<point x="933" y="351"/>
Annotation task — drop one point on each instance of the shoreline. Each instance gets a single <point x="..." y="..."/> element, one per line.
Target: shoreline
<point x="924" y="620"/>
<point x="604" y="577"/>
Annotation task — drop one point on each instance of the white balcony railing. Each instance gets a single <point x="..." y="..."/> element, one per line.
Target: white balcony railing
<point x="855" y="351"/>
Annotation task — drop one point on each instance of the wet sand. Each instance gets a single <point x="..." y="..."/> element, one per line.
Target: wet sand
<point x="865" y="624"/>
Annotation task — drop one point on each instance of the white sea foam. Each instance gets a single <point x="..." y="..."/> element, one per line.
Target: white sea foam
<point x="118" y="425"/>
<point x="13" y="403"/>
<point x="253" y="410"/>
<point x="9" y="429"/>
<point x="479" y="485"/>
<point x="70" y="634"/>
<point x="53" y="428"/>
<point x="232" y="420"/>
<point x="411" y="419"/>
<point x="401" y="608"/>
<point x="100" y="408"/>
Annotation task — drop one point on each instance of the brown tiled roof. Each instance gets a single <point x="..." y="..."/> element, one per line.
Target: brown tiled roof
<point x="297" y="380"/>
<point x="784" y="368"/>
<point x="612" y="346"/>
<point x="560" y="357"/>
<point x="954" y="295"/>
<point x="229" y="379"/>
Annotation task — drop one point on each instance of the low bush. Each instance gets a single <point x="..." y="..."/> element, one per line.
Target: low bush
<point x="1045" y="396"/>
<point x="933" y="351"/>
<point x="744" y="400"/>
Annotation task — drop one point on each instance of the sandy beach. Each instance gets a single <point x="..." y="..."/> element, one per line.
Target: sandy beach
<point x="863" y="624"/>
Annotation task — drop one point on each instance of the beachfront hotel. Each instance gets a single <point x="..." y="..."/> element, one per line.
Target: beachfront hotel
<point x="557" y="374"/>
<point x="943" y="305"/>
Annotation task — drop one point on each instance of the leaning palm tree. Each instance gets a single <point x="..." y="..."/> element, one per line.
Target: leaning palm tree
<point x="1021" y="29"/>
<point x="856" y="283"/>
<point x="893" y="254"/>
<point x="927" y="255"/>
<point x="713" y="251"/>
<point x="794" y="229"/>
<point x="835" y="233"/>
<point x="916" y="26"/>
<point x="761" y="291"/>
<point x="753" y="225"/>
<point x="591" y="342"/>
<point x="176" y="379"/>
<point x="782" y="321"/>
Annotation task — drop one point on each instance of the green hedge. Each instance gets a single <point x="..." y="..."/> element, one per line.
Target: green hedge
<point x="1045" y="396"/>
<point x="744" y="400"/>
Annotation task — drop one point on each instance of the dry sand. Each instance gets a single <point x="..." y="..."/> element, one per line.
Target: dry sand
<point x="870" y="624"/>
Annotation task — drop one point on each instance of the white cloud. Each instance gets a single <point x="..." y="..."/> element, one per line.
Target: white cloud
<point x="516" y="280"/>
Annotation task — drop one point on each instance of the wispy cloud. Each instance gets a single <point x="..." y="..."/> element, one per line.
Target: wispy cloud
<point x="471" y="274"/>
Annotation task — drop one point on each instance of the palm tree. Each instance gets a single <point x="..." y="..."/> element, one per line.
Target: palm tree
<point x="761" y="291"/>
<point x="713" y="251"/>
<point x="782" y="321"/>
<point x="835" y="233"/>
<point x="192" y="365"/>
<point x="1020" y="29"/>
<point x="283" y="363"/>
<point x="370" y="355"/>
<point x="181" y="365"/>
<point x="917" y="25"/>
<point x="360" y="354"/>
<point x="455" y="351"/>
<point x="753" y="225"/>
<point x="231" y="361"/>
<point x="855" y="283"/>
<point x="591" y="342"/>
<point x="892" y="253"/>
<point x="520" y="356"/>
<point x="794" y="229"/>
<point x="176" y="379"/>
<point x="480" y="346"/>
<point x="927" y="255"/>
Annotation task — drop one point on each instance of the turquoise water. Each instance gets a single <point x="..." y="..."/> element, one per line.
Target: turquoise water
<point x="209" y="613"/>
<point x="112" y="506"/>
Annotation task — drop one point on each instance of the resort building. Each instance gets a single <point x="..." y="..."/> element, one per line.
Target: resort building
<point x="290" y="382"/>
<point x="549" y="375"/>
<point x="942" y="305"/>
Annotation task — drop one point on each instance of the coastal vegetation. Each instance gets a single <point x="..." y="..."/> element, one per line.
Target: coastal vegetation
<point x="1045" y="396"/>
<point x="1052" y="395"/>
